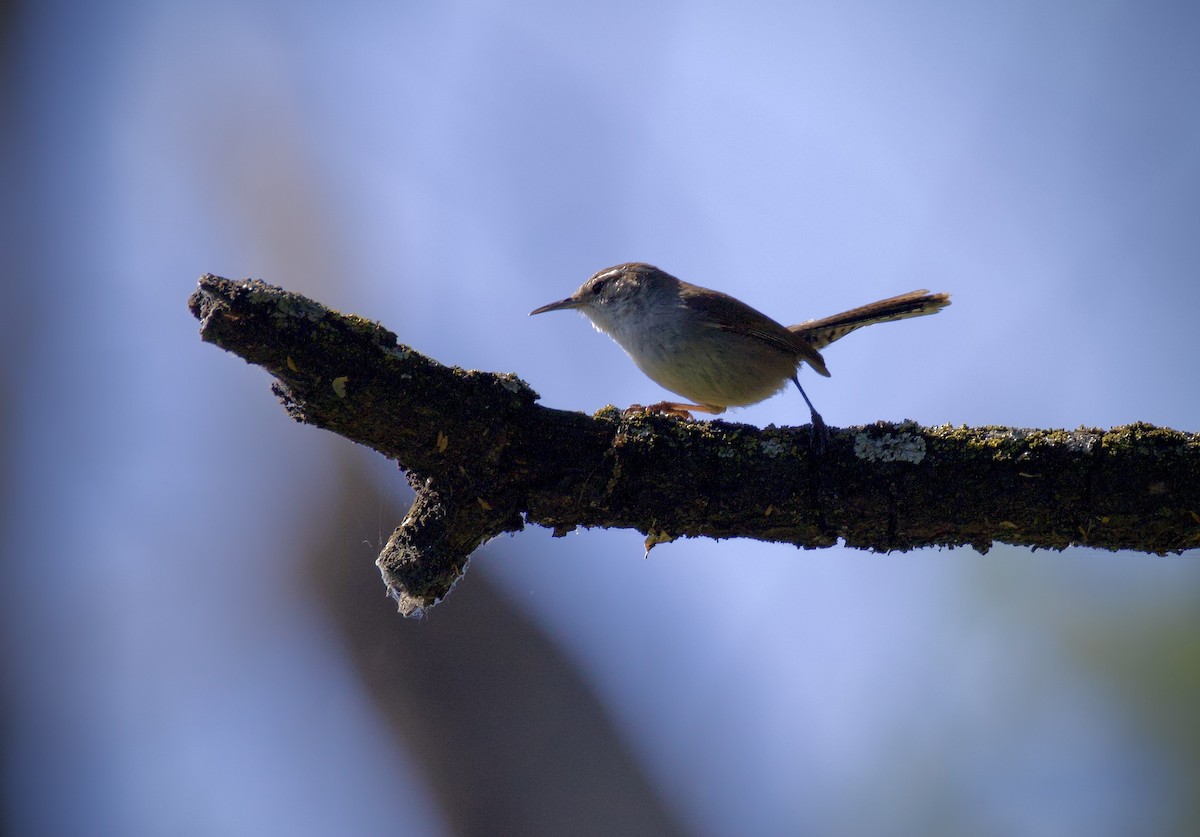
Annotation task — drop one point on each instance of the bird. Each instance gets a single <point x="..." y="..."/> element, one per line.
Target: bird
<point x="711" y="348"/>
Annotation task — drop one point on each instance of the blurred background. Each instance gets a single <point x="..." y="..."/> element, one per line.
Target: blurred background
<point x="195" y="639"/>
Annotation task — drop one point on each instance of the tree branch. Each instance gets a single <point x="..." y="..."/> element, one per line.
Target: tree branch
<point x="486" y="459"/>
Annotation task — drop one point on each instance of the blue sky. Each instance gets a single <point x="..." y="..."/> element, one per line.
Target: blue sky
<point x="446" y="168"/>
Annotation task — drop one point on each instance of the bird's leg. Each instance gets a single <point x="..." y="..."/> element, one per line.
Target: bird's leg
<point x="820" y="433"/>
<point x="672" y="408"/>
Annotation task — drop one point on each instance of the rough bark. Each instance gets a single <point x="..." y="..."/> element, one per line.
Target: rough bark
<point x="486" y="459"/>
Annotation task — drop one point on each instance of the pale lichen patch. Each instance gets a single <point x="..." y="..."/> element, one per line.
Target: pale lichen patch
<point x="890" y="447"/>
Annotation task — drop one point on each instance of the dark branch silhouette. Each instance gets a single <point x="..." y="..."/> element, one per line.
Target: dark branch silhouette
<point x="486" y="459"/>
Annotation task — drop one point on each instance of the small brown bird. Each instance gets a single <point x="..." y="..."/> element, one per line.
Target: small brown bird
<point x="712" y="349"/>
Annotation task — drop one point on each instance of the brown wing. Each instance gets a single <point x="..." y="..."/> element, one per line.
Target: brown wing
<point x="820" y="333"/>
<point x="722" y="311"/>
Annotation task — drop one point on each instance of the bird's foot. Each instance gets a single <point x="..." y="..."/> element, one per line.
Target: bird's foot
<point x="665" y="408"/>
<point x="819" y="439"/>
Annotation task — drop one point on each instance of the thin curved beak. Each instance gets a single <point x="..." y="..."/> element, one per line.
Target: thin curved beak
<point x="569" y="302"/>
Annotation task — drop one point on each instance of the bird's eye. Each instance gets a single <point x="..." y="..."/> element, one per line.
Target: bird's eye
<point x="597" y="287"/>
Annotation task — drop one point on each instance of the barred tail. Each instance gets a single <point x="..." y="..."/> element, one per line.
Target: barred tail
<point x="820" y="333"/>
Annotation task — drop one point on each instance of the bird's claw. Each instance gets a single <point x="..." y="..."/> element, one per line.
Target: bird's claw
<point x="665" y="408"/>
